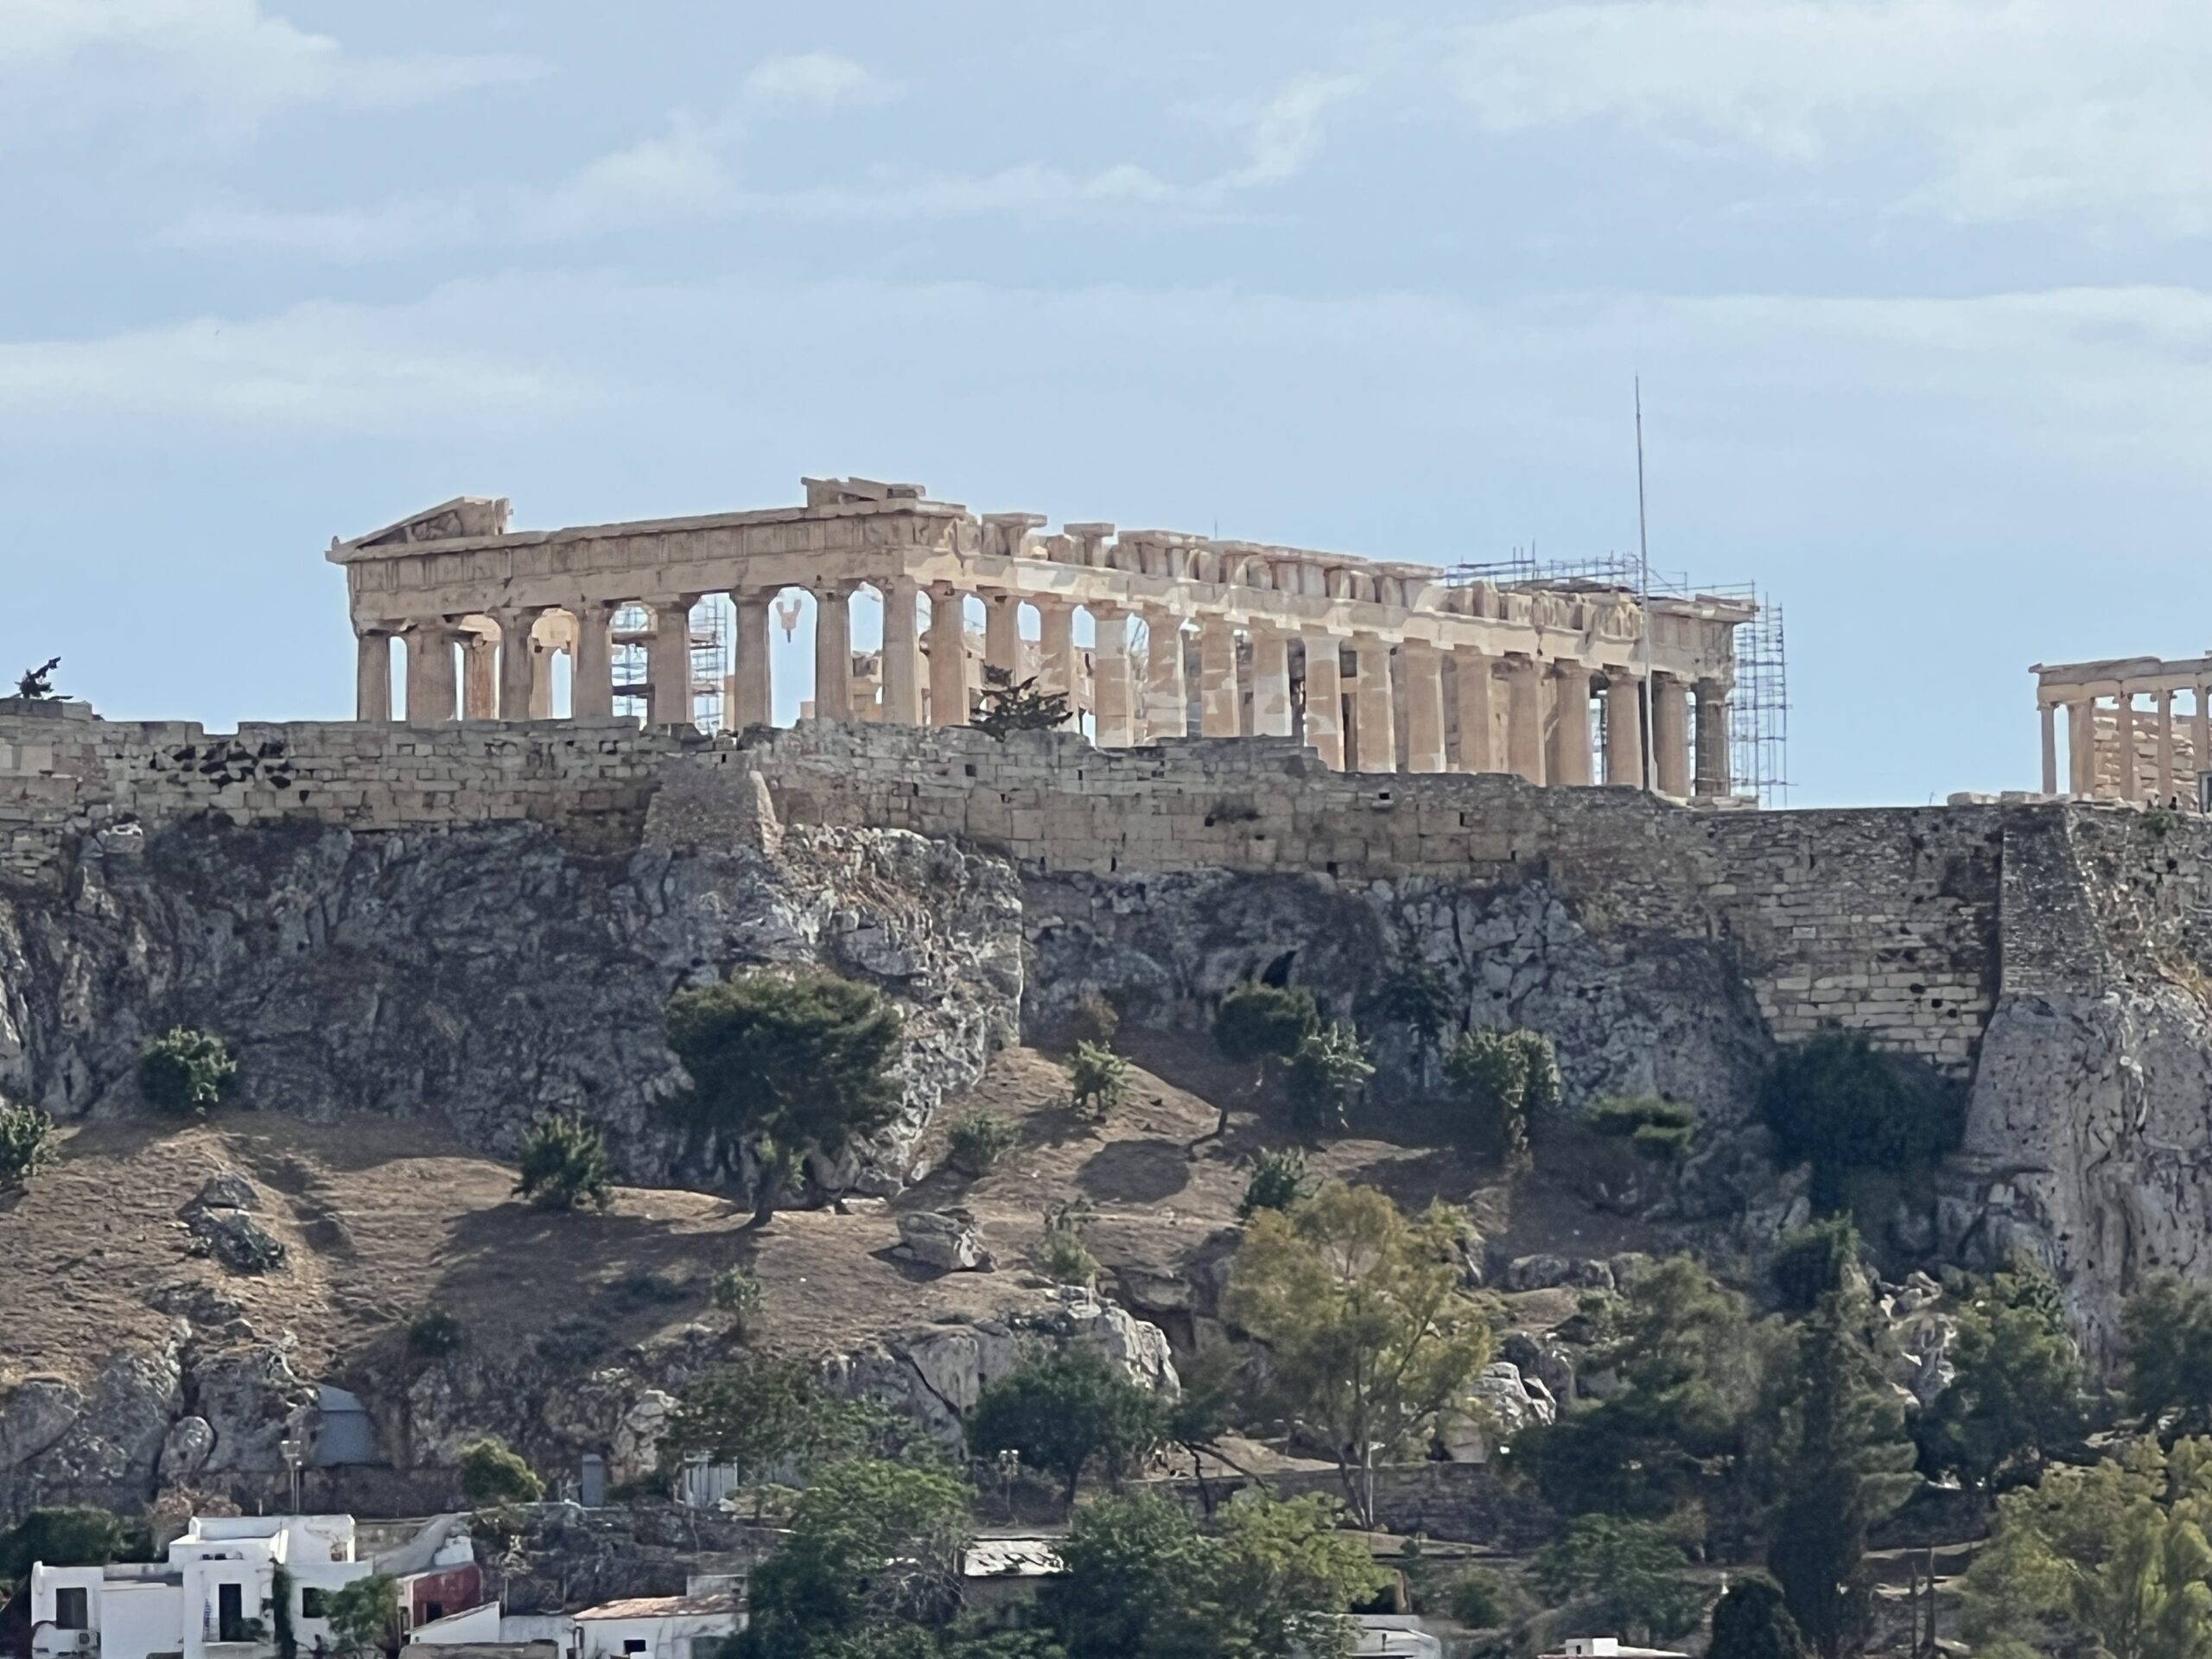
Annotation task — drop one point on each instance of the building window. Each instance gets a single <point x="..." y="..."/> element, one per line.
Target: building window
<point x="71" y="1609"/>
<point x="229" y="1612"/>
<point x="315" y="1604"/>
<point x="633" y="1644"/>
<point x="432" y="1611"/>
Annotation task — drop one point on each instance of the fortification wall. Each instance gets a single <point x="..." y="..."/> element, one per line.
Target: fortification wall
<point x="1891" y="920"/>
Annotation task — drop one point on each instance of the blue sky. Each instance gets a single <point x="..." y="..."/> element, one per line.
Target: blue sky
<point x="1916" y="289"/>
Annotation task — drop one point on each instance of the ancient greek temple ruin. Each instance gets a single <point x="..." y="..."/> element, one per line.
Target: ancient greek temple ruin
<point x="1378" y="667"/>
<point x="2136" y="729"/>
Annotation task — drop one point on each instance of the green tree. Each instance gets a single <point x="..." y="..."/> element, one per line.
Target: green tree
<point x="2113" y="1556"/>
<point x="1475" y="1597"/>
<point x="2165" y="1349"/>
<point x="1815" y="1261"/>
<point x="26" y="1143"/>
<point x="976" y="1140"/>
<point x="59" y="1537"/>
<point x="1327" y="1068"/>
<point x="492" y="1474"/>
<point x="762" y="1418"/>
<point x="1413" y="995"/>
<point x="1257" y="1025"/>
<point x="186" y="1072"/>
<point x="1098" y="1081"/>
<point x="872" y="1546"/>
<point x="1006" y="704"/>
<point x="1143" y="1582"/>
<point x="799" y="1060"/>
<point x="1502" y="1078"/>
<point x="1840" y="1104"/>
<point x="364" y="1615"/>
<point x="1847" y="1467"/>
<point x="1752" y="1622"/>
<point x="1361" y="1310"/>
<point x="2019" y="1388"/>
<point x="739" y="1293"/>
<point x="1621" y="1574"/>
<point x="1065" y="1414"/>
<point x="564" y="1165"/>
<point x="1278" y="1181"/>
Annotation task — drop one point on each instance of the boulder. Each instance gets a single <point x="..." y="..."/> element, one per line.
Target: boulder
<point x="186" y="1449"/>
<point x="1549" y="1272"/>
<point x="637" y="1439"/>
<point x="233" y="1239"/>
<point x="1544" y="1358"/>
<point x="949" y="1240"/>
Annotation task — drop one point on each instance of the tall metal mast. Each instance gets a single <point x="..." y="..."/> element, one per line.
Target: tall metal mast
<point x="1644" y="590"/>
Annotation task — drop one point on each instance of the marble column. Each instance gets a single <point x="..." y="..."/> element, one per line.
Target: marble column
<point x="668" y="662"/>
<point x="1524" y="718"/>
<point x="1713" y="777"/>
<point x="1218" y="713"/>
<point x="833" y="652"/>
<point x="1166" y="695"/>
<point x="948" y="658"/>
<point x="1270" y="682"/>
<point x="431" y="692"/>
<point x="2049" y="713"/>
<point x="591" y="686"/>
<point x="372" y="677"/>
<point x="1671" y="736"/>
<point x="518" y="664"/>
<point x="1114" y="713"/>
<point x="542" y="653"/>
<point x="2082" y="747"/>
<point x="2165" y="704"/>
<point x="752" y="692"/>
<point x="2199" y="732"/>
<point x="1478" y="712"/>
<point x="1374" y="713"/>
<point x="1570" y="756"/>
<point x="479" y="687"/>
<point x="1002" y="635"/>
<point x="1056" y="650"/>
<point x="902" y="652"/>
<point x="1424" y="693"/>
<point x="1623" y="729"/>
<point x="2124" y="734"/>
<point x="1324" y="699"/>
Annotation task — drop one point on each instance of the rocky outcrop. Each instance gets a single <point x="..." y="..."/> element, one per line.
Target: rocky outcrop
<point x="951" y="1241"/>
<point x="486" y="976"/>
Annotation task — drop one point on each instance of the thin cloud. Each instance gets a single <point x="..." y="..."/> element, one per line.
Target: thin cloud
<point x="816" y="80"/>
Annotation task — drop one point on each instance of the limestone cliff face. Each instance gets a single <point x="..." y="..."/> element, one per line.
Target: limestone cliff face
<point x="487" y="977"/>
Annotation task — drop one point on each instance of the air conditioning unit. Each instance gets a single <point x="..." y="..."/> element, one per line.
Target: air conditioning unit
<point x="85" y="1642"/>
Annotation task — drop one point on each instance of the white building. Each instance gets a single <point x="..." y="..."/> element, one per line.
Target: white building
<point x="693" y="1626"/>
<point x="214" y="1597"/>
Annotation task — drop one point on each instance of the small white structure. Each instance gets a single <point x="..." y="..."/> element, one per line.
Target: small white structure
<point x="1608" y="1646"/>
<point x="693" y="1626"/>
<point x="214" y="1597"/>
<point x="1393" y="1635"/>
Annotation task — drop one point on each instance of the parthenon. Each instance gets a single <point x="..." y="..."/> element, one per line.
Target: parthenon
<point x="2127" y="737"/>
<point x="1378" y="667"/>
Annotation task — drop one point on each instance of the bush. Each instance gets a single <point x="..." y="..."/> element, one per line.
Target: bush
<point x="977" y="1140"/>
<point x="1257" y="1023"/>
<point x="1503" y="1079"/>
<point x="26" y="1143"/>
<point x="1062" y="1413"/>
<point x="62" y="1537"/>
<point x="186" y="1072"/>
<point x="1814" y="1260"/>
<point x="1658" y="1130"/>
<point x="1062" y="1257"/>
<point x="1833" y="1101"/>
<point x="1098" y="1081"/>
<point x="434" y="1333"/>
<point x="1476" y="1597"/>
<point x="564" y="1164"/>
<point x="1278" y="1181"/>
<point x="1325" y="1069"/>
<point x="738" y="1292"/>
<point x="491" y="1475"/>
<point x="1093" y="1020"/>
<point x="1413" y="995"/>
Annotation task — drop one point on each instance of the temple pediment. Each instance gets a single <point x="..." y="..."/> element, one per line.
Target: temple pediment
<point x="463" y="517"/>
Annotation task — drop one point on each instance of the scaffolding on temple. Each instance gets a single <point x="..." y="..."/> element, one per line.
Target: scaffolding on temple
<point x="1758" y="708"/>
<point x="711" y="627"/>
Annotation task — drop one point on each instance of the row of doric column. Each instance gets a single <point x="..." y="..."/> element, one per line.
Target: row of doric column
<point x="1513" y="714"/>
<point x="2117" y="750"/>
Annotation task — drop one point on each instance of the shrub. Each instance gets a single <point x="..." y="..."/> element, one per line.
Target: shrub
<point x="1064" y="1413"/>
<point x="1062" y="1257"/>
<point x="1278" y="1181"/>
<point x="186" y="1072"/>
<point x="26" y="1143"/>
<point x="564" y="1164"/>
<point x="1413" y="995"/>
<point x="738" y="1292"/>
<point x="1325" y="1069"/>
<point x="1098" y="1081"/>
<point x="491" y="1474"/>
<point x="434" y="1333"/>
<point x="1257" y="1023"/>
<point x="1006" y="704"/>
<point x="977" y="1140"/>
<point x="1658" y="1130"/>
<point x="1814" y="1260"/>
<point x="1837" y="1103"/>
<point x="1477" y="1598"/>
<point x="1503" y="1077"/>
<point x="1093" y="1020"/>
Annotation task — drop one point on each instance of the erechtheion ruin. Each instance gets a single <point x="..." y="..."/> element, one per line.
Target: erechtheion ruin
<point x="1378" y="667"/>
<point x="2127" y="736"/>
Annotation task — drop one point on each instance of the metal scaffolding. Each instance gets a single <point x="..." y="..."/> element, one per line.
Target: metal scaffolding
<point x="711" y="622"/>
<point x="1758" y="708"/>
